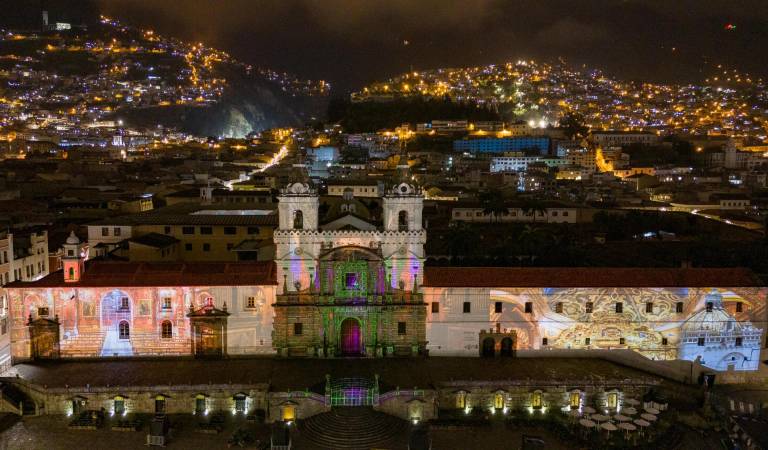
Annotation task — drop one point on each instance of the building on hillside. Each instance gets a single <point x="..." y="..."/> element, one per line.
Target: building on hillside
<point x="539" y="144"/>
<point x="622" y="138"/>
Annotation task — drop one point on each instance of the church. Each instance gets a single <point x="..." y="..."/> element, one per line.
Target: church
<point x="346" y="282"/>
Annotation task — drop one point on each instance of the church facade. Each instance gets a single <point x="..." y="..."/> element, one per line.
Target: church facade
<point x="346" y="283"/>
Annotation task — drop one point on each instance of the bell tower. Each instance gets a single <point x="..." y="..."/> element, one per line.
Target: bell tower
<point x="403" y="206"/>
<point x="298" y="207"/>
<point x="73" y="260"/>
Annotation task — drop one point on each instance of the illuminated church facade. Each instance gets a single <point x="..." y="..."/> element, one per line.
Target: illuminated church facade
<point x="350" y="285"/>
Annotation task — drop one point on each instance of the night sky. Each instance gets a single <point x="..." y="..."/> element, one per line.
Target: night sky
<point x="352" y="42"/>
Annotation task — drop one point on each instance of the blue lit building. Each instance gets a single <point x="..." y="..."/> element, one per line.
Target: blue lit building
<point x="501" y="145"/>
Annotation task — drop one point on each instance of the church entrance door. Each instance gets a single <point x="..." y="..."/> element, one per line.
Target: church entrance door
<point x="351" y="337"/>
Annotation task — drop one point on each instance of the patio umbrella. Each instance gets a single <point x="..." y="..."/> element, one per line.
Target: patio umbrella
<point x="608" y="426"/>
<point x="631" y="402"/>
<point x="641" y="423"/>
<point x="588" y="409"/>
<point x="600" y="417"/>
<point x="621" y="418"/>
<point x="649" y="417"/>
<point x="630" y="411"/>
<point x="626" y="426"/>
<point x="587" y="423"/>
<point x="651" y="410"/>
<point x="574" y="413"/>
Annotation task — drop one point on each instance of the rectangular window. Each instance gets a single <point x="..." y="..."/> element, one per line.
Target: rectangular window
<point x="401" y="328"/>
<point x="435" y="307"/>
<point x="166" y="302"/>
<point x="497" y="307"/>
<point x="619" y="307"/>
<point x="544" y="341"/>
<point x="206" y="247"/>
<point x="206" y="230"/>
<point x="529" y="307"/>
<point x="253" y="230"/>
<point x="679" y="307"/>
<point x="738" y="341"/>
<point x="230" y="230"/>
<point x="739" y="307"/>
<point x="622" y="341"/>
<point x="250" y="302"/>
<point x="298" y="328"/>
<point x="586" y="341"/>
<point x="117" y="231"/>
<point x="167" y="230"/>
<point x="649" y="307"/>
<point x="351" y="280"/>
<point x="559" y="307"/>
<point x="467" y="307"/>
<point x="188" y="230"/>
<point x="42" y="312"/>
<point x="664" y="341"/>
<point x="105" y="231"/>
<point x="188" y="247"/>
<point x="710" y="306"/>
<point x="589" y="307"/>
<point x="700" y="342"/>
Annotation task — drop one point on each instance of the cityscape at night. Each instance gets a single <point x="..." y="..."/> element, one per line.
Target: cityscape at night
<point x="365" y="225"/>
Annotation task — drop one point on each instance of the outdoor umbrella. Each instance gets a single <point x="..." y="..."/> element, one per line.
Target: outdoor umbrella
<point x="649" y="417"/>
<point x="608" y="426"/>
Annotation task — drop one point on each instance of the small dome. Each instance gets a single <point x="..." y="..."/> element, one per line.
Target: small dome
<point x="73" y="239"/>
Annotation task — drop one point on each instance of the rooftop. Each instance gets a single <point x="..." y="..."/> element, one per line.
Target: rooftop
<point x="193" y="214"/>
<point x="565" y="277"/>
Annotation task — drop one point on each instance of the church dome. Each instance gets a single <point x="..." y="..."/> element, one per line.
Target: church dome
<point x="716" y="319"/>
<point x="72" y="239"/>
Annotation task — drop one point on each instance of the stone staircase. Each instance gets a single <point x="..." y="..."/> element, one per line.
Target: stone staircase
<point x="14" y="400"/>
<point x="354" y="427"/>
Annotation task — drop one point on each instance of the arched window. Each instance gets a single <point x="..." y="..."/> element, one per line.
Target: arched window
<point x="461" y="400"/>
<point x="298" y="220"/>
<point x="71" y="273"/>
<point x="166" y="329"/>
<point x="125" y="330"/>
<point x="536" y="400"/>
<point x="612" y="400"/>
<point x="402" y="221"/>
<point x="119" y="405"/>
<point x="574" y="400"/>
<point x="498" y="400"/>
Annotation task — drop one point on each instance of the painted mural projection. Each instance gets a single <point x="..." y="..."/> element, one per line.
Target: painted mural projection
<point x="713" y="326"/>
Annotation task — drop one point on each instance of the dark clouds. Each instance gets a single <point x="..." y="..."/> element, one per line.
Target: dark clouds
<point x="351" y="42"/>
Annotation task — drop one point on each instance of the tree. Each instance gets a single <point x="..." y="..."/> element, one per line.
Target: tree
<point x="533" y="207"/>
<point x="573" y="125"/>
<point x="493" y="204"/>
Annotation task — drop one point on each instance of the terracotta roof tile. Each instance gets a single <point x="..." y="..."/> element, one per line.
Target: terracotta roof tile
<point x="588" y="277"/>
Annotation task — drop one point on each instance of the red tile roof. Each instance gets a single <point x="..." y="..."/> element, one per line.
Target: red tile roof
<point x="587" y="277"/>
<point x="129" y="274"/>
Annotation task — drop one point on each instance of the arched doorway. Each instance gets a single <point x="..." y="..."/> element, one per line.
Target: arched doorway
<point x="351" y="337"/>
<point x="489" y="347"/>
<point x="116" y="320"/>
<point x="507" y="347"/>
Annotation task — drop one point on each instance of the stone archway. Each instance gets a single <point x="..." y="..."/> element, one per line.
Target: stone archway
<point x="489" y="348"/>
<point x="351" y="337"/>
<point x="507" y="347"/>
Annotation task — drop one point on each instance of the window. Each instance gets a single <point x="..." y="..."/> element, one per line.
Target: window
<point x="125" y="303"/>
<point x="544" y="341"/>
<point x="166" y="302"/>
<point x="565" y="213"/>
<point x="649" y="307"/>
<point x="612" y="400"/>
<point x="529" y="307"/>
<point x="159" y="404"/>
<point x="206" y="247"/>
<point x="710" y="306"/>
<point x="700" y="342"/>
<point x="559" y="307"/>
<point x="125" y="330"/>
<point x="574" y="400"/>
<point x="42" y="312"/>
<point x="497" y="307"/>
<point x="351" y="280"/>
<point x="250" y="302"/>
<point x="587" y="341"/>
<point x="536" y="400"/>
<point x="402" y="221"/>
<point x="117" y="231"/>
<point x="188" y="247"/>
<point x="738" y="341"/>
<point x="619" y="307"/>
<point x="119" y="405"/>
<point x="298" y="220"/>
<point x="679" y="307"/>
<point x="71" y="273"/>
<point x="467" y="307"/>
<point x="401" y="328"/>
<point x="461" y="400"/>
<point x="188" y="230"/>
<point x="206" y="230"/>
<point x="104" y="231"/>
<point x="435" y="307"/>
<point x="589" y="307"/>
<point x="230" y="230"/>
<point x="739" y="307"/>
<point x="622" y="341"/>
<point x="253" y="230"/>
<point x="298" y="329"/>
<point x="200" y="404"/>
<point x="664" y="341"/>
<point x="166" y="329"/>
<point x="167" y="230"/>
<point x="498" y="401"/>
